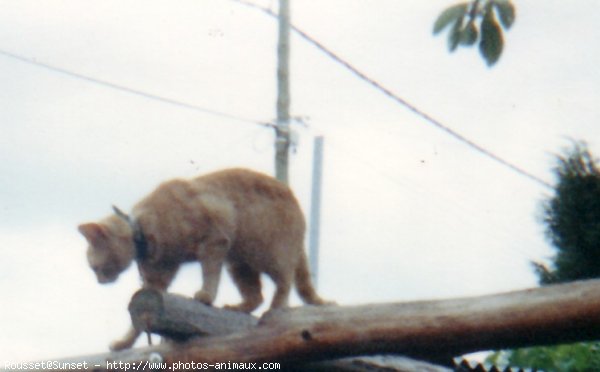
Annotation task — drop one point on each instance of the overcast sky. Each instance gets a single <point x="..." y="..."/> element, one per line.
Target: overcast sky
<point x="409" y="212"/>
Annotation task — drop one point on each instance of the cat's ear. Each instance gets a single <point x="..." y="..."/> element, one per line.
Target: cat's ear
<point x="93" y="232"/>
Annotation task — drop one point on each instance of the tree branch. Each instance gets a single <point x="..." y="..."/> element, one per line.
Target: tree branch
<point x="423" y="329"/>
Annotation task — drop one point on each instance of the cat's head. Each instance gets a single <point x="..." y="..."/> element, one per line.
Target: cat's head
<point x="111" y="249"/>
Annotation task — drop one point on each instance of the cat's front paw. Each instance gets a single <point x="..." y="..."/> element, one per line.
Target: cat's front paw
<point x="236" y="308"/>
<point x="120" y="344"/>
<point x="243" y="307"/>
<point x="322" y="302"/>
<point x="204" y="297"/>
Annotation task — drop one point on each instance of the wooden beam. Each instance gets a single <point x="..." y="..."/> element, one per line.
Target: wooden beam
<point x="423" y="329"/>
<point x="180" y="318"/>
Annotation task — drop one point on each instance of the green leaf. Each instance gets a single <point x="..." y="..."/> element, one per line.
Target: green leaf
<point x="449" y="15"/>
<point x="491" y="43"/>
<point x="469" y="34"/>
<point x="506" y="12"/>
<point x="455" y="34"/>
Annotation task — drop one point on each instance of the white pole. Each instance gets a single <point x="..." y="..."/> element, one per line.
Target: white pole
<point x="315" y="209"/>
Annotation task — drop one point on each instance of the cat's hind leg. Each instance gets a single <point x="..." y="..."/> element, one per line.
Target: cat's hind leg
<point x="247" y="281"/>
<point x="283" y="284"/>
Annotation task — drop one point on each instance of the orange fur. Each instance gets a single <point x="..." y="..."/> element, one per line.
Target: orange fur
<point x="247" y="220"/>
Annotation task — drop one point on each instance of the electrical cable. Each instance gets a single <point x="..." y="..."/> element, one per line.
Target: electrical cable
<point x="428" y="118"/>
<point x="136" y="92"/>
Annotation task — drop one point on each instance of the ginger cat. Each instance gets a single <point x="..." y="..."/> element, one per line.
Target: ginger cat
<point x="247" y="220"/>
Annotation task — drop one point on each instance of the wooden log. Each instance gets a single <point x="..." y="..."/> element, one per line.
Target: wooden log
<point x="179" y="318"/>
<point x="423" y="329"/>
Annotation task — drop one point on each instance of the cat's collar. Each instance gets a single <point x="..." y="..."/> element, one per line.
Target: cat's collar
<point x="139" y="238"/>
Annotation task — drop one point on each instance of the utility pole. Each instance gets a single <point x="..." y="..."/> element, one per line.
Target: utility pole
<point x="282" y="128"/>
<point x="283" y="134"/>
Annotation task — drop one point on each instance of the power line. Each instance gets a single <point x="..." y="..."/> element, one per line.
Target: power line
<point x="319" y="46"/>
<point x="133" y="91"/>
<point x="428" y="118"/>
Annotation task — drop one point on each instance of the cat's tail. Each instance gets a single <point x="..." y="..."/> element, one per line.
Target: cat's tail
<point x="304" y="285"/>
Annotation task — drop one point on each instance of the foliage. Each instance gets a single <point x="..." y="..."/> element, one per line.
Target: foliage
<point x="477" y="20"/>
<point x="572" y="219"/>
<point x="579" y="357"/>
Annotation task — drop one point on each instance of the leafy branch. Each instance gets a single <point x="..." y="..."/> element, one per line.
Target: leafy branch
<point x="477" y="21"/>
